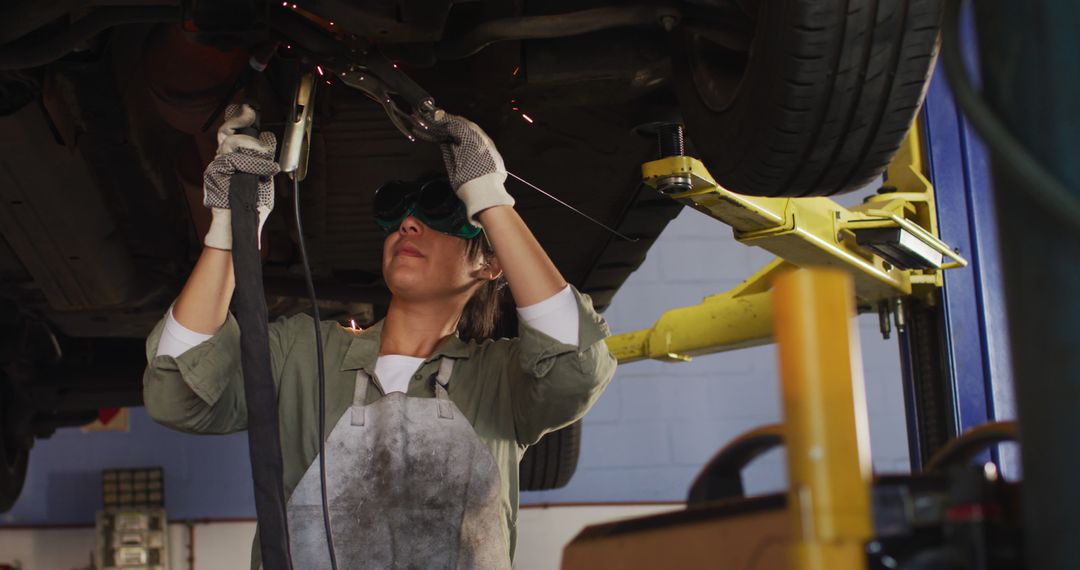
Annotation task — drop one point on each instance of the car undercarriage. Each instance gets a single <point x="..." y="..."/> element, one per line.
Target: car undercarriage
<point x="106" y="114"/>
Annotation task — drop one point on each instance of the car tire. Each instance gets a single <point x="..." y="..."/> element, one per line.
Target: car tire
<point x="820" y="101"/>
<point x="551" y="462"/>
<point x="14" y="453"/>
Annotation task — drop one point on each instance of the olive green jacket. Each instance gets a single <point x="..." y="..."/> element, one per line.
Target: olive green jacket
<point x="513" y="391"/>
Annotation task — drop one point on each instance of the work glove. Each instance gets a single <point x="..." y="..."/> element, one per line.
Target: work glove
<point x="237" y="153"/>
<point x="473" y="165"/>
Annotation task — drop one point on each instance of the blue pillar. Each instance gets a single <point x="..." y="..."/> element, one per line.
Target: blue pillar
<point x="1030" y="55"/>
<point x="974" y="351"/>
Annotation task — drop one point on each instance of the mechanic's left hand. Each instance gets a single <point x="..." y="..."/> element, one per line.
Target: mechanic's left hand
<point x="474" y="166"/>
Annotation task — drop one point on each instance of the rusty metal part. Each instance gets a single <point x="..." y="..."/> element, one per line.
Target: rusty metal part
<point x="19" y="18"/>
<point x="65" y="237"/>
<point x="556" y="26"/>
<point x="34" y="52"/>
<point x="401" y="21"/>
<point x="744" y="314"/>
<point x="188" y="79"/>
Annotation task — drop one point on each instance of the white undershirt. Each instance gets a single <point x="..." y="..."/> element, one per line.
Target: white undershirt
<point x="176" y="339"/>
<point x="556" y="316"/>
<point x="395" y="370"/>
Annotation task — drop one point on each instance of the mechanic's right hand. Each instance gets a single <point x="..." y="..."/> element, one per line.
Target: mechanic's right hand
<point x="237" y="153"/>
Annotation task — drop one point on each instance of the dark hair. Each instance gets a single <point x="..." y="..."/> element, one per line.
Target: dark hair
<point x="482" y="311"/>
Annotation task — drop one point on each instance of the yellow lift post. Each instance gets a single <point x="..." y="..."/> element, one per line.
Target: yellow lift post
<point x="825" y="420"/>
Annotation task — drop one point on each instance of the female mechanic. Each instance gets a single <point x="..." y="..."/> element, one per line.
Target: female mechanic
<point x="424" y="430"/>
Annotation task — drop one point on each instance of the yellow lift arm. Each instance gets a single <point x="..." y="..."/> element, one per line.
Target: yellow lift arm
<point x="888" y="244"/>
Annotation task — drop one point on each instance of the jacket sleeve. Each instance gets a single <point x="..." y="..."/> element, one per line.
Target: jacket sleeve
<point x="553" y="384"/>
<point x="202" y="390"/>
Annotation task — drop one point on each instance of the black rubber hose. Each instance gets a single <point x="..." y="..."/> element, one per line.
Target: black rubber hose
<point x="966" y="446"/>
<point x="34" y="52"/>
<point x="721" y="478"/>
<point x="322" y="372"/>
<point x="1042" y="184"/>
<point x="260" y="393"/>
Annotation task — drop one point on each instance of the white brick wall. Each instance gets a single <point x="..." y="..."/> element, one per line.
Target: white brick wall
<point x="219" y="545"/>
<point x="658" y="423"/>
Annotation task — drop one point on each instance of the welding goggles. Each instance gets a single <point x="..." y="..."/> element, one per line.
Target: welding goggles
<point x="430" y="200"/>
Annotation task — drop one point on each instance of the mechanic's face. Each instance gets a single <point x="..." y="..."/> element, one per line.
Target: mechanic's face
<point x="422" y="264"/>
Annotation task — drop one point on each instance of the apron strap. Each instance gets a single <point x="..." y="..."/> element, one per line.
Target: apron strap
<point x="359" y="398"/>
<point x="442" y="379"/>
<point x="446" y="368"/>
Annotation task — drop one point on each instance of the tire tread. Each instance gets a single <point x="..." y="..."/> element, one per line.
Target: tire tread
<point x="552" y="461"/>
<point x="847" y="80"/>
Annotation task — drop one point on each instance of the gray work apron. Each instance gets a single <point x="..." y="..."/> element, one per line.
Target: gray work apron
<point x="409" y="485"/>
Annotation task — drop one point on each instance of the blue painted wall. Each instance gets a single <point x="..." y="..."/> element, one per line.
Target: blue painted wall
<point x="206" y="476"/>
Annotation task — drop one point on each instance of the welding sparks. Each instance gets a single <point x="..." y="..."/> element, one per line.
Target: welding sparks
<point x="319" y="69"/>
<point x="352" y="324"/>
<point x="294" y="6"/>
<point x="516" y="70"/>
<point x="331" y="23"/>
<point x="394" y="64"/>
<point x="527" y="118"/>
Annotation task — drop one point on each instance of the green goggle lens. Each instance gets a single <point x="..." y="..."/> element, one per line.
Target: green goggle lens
<point x="431" y="201"/>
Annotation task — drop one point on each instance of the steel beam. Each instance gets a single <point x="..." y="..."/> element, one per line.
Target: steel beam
<point x="816" y="232"/>
<point x="739" y="318"/>
<point x="810" y="232"/>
